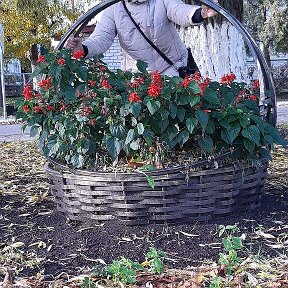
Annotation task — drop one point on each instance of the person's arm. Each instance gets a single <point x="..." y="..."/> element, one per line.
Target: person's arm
<point x="185" y="14"/>
<point x="103" y="35"/>
<point x="99" y="41"/>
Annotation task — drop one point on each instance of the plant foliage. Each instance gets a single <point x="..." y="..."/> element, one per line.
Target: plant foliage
<point x="85" y="113"/>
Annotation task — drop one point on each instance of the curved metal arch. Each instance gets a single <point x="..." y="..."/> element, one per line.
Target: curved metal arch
<point x="269" y="105"/>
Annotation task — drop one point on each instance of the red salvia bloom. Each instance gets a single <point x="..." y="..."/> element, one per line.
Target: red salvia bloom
<point x="28" y="92"/>
<point x="41" y="58"/>
<point x="105" y="84"/>
<point x="26" y="108"/>
<point x="63" y="106"/>
<point x="252" y="97"/>
<point x="135" y="84"/>
<point x="154" y="91"/>
<point x="256" y="85"/>
<point x="86" y="111"/>
<point x="38" y="109"/>
<point x="50" y="108"/>
<point x="102" y="68"/>
<point x="61" y="61"/>
<point x="207" y="110"/>
<point x="196" y="76"/>
<point x="185" y="82"/>
<point x="92" y="83"/>
<point x="78" y="54"/>
<point x="46" y="84"/>
<point x="228" y="78"/>
<point x="134" y="97"/>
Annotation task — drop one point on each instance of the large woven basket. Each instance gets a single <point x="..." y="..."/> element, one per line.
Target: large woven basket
<point x="179" y="194"/>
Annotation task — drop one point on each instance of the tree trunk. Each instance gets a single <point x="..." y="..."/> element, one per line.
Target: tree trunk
<point x="218" y="48"/>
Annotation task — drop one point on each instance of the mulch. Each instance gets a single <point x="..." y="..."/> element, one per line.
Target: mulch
<point x="36" y="239"/>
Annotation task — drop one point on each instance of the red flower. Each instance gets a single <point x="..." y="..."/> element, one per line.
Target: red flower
<point x="185" y="82"/>
<point x="26" y="108"/>
<point x="94" y="95"/>
<point x="252" y="97"/>
<point x="197" y="76"/>
<point x="92" y="83"/>
<point x="228" y="78"/>
<point x="41" y="58"/>
<point x="240" y="96"/>
<point x="46" y="84"/>
<point x="61" y="61"/>
<point x="28" y="92"/>
<point x="154" y="91"/>
<point x="63" y="106"/>
<point x="256" y="85"/>
<point x="92" y="122"/>
<point x="38" y="109"/>
<point x="204" y="85"/>
<point x="78" y="54"/>
<point x="135" y="84"/>
<point x="105" y="84"/>
<point x="134" y="97"/>
<point x="50" y="108"/>
<point x="102" y="68"/>
<point x="86" y="111"/>
<point x="140" y="80"/>
<point x="207" y="110"/>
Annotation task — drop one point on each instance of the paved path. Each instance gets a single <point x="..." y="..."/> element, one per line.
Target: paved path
<point x="12" y="132"/>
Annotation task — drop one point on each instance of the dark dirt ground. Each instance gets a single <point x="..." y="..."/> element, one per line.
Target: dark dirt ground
<point x="35" y="238"/>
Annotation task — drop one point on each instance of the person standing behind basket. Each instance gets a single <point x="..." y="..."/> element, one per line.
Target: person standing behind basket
<point x="157" y="19"/>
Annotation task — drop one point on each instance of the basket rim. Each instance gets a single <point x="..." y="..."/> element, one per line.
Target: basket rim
<point x="156" y="172"/>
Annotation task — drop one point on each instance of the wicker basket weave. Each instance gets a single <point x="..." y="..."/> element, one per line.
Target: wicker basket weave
<point x="179" y="193"/>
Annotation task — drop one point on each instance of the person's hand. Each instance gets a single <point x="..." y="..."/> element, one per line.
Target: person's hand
<point x="207" y="12"/>
<point x="74" y="43"/>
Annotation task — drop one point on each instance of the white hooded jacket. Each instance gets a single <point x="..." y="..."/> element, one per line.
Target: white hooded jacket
<point x="156" y="19"/>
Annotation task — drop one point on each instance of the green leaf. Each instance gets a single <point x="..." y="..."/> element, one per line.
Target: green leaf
<point x="118" y="130"/>
<point x="77" y="161"/>
<point x="182" y="99"/>
<point x="34" y="130"/>
<point x="206" y="143"/>
<point x="249" y="145"/>
<point x="130" y="136"/>
<point x="194" y="87"/>
<point x="173" y="110"/>
<point x="151" y="181"/>
<point x="230" y="135"/>
<point x="202" y="118"/>
<point x="183" y="137"/>
<point x="70" y="95"/>
<point x="140" y="128"/>
<point x="153" y="106"/>
<point x="194" y="100"/>
<point x="224" y="123"/>
<point x="244" y="120"/>
<point x="181" y="113"/>
<point x="82" y="72"/>
<point x="211" y="96"/>
<point x="135" y="145"/>
<point x="113" y="146"/>
<point x="142" y="66"/>
<point x="228" y="98"/>
<point x="170" y="134"/>
<point x="191" y="123"/>
<point x="252" y="133"/>
<point x="149" y="136"/>
<point x="136" y="109"/>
